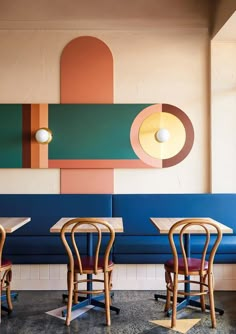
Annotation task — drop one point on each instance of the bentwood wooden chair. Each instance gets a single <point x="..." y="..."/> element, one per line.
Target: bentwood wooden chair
<point x="5" y="273"/>
<point x="190" y="267"/>
<point x="96" y="263"/>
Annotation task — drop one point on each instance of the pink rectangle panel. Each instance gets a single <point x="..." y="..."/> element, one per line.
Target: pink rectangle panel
<point x="98" y="163"/>
<point x="87" y="181"/>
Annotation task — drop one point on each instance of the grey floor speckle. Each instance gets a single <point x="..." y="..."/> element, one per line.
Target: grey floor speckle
<point x="137" y="308"/>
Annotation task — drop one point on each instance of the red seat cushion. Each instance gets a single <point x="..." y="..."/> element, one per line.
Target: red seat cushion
<point x="193" y="264"/>
<point x="88" y="263"/>
<point x="6" y="263"/>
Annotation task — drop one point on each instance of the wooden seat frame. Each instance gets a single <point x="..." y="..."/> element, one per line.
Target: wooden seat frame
<point x="206" y="278"/>
<point x="75" y="225"/>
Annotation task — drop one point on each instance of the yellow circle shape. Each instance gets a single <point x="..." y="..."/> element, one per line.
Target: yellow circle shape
<point x="151" y="125"/>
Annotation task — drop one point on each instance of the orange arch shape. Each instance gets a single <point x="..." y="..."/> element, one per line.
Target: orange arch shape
<point x="86" y="71"/>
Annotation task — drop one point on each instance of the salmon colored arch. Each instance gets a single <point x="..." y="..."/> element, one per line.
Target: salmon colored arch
<point x="86" y="71"/>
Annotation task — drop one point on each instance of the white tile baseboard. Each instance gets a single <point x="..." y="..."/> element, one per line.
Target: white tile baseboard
<point x="125" y="277"/>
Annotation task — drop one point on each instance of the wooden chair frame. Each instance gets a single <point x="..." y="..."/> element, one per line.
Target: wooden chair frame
<point x="5" y="272"/>
<point x="72" y="274"/>
<point x="205" y="271"/>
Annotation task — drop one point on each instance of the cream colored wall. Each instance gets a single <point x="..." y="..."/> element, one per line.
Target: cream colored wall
<point x="223" y="116"/>
<point x="173" y="72"/>
<point x="29" y="181"/>
<point x="160" y="55"/>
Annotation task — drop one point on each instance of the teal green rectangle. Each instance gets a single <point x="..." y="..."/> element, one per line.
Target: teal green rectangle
<point x="10" y="135"/>
<point x="92" y="131"/>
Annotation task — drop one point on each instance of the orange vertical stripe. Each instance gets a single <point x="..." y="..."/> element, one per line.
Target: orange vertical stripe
<point x="35" y="116"/>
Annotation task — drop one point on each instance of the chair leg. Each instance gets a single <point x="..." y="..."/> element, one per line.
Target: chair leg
<point x="107" y="298"/>
<point x="75" y="289"/>
<point x="70" y="282"/>
<point x="110" y="279"/>
<point x="8" y="289"/>
<point x="211" y="299"/>
<point x="174" y="304"/>
<point x="202" y="297"/>
<point x="168" y="282"/>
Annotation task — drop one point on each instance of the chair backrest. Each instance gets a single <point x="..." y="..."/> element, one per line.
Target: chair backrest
<point x="73" y="227"/>
<point x="2" y="241"/>
<point x="200" y="225"/>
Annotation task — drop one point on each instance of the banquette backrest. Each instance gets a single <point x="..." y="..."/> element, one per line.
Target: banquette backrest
<point x="33" y="243"/>
<point x="140" y="242"/>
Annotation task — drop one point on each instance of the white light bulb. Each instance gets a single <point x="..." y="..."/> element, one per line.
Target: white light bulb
<point x="43" y="136"/>
<point x="162" y="135"/>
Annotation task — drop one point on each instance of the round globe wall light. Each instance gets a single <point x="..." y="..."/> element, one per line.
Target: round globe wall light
<point x="162" y="135"/>
<point x="43" y="136"/>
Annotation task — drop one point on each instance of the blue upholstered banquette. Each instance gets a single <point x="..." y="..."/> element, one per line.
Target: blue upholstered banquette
<point x="140" y="242"/>
<point x="33" y="243"/>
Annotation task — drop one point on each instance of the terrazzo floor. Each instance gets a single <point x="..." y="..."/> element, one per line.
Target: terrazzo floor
<point x="137" y="309"/>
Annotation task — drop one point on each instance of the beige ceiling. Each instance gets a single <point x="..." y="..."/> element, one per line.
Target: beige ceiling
<point x="112" y="13"/>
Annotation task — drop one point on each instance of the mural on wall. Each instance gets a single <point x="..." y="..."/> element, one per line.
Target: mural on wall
<point x="96" y="135"/>
<point x="91" y="134"/>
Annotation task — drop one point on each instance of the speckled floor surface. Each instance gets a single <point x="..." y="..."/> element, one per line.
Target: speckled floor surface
<point x="137" y="308"/>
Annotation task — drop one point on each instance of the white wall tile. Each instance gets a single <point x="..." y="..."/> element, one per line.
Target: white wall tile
<point x="25" y="272"/>
<point x="126" y="277"/>
<point x="63" y="271"/>
<point x="131" y="271"/>
<point x="54" y="271"/>
<point x="34" y="271"/>
<point x="141" y="271"/>
<point x="16" y="271"/>
<point x="44" y="272"/>
<point x="151" y="271"/>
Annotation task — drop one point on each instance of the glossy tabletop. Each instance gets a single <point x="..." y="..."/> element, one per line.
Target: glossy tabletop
<point x="164" y="225"/>
<point x="115" y="222"/>
<point x="11" y="224"/>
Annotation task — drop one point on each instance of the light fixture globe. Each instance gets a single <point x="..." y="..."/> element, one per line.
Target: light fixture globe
<point x="43" y="136"/>
<point x="162" y="135"/>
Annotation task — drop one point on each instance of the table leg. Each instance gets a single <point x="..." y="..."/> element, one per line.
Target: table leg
<point x="14" y="295"/>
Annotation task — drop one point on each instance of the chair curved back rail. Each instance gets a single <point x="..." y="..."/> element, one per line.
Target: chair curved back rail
<point x="181" y="264"/>
<point x="203" y="224"/>
<point x="76" y="225"/>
